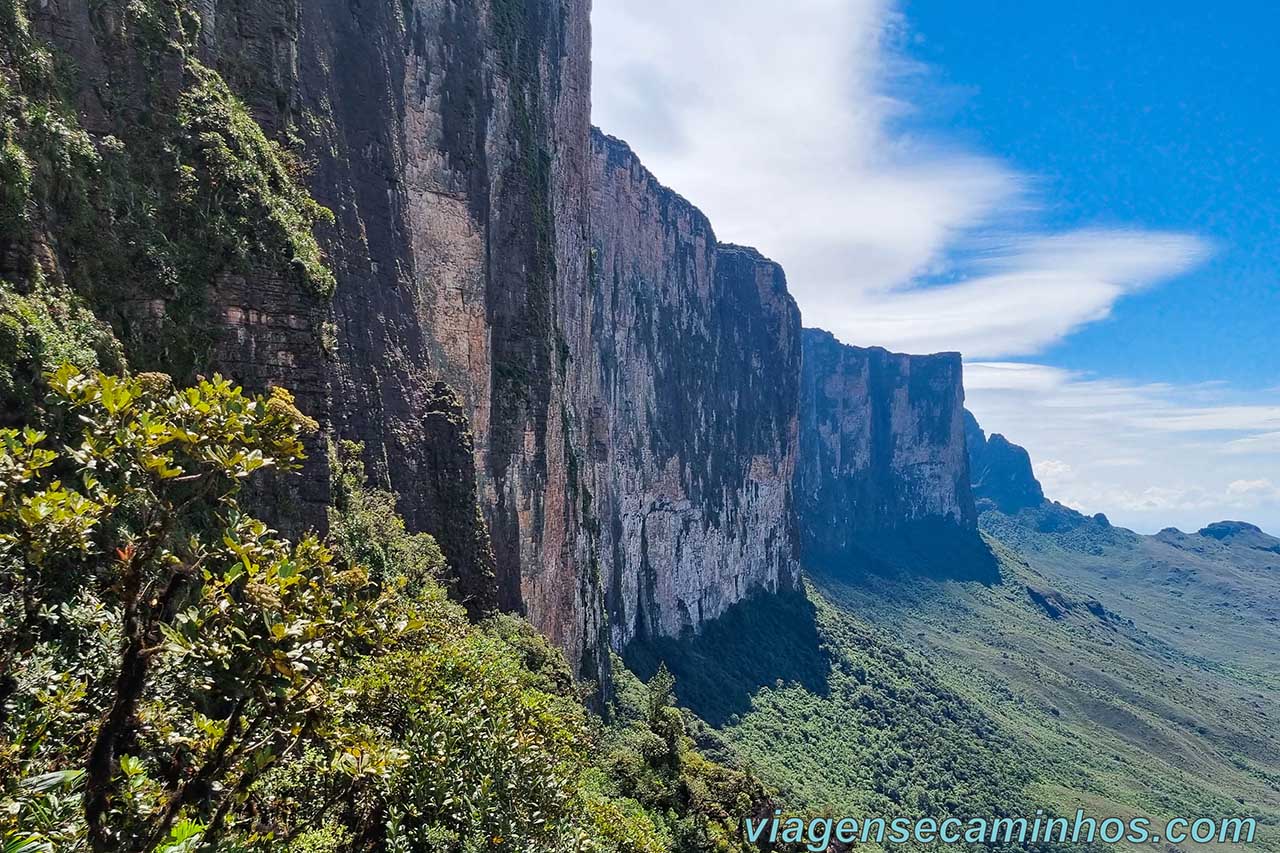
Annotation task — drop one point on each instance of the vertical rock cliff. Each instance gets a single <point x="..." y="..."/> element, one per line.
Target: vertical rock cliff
<point x="689" y="365"/>
<point x="398" y="210"/>
<point x="175" y="208"/>
<point x="883" y="477"/>
<point x="449" y="141"/>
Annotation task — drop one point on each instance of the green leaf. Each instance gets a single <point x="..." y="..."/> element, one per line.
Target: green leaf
<point x="49" y="781"/>
<point x="185" y="830"/>
<point x="27" y="844"/>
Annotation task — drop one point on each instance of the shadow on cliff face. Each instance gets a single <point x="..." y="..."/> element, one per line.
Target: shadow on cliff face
<point x="930" y="548"/>
<point x="763" y="640"/>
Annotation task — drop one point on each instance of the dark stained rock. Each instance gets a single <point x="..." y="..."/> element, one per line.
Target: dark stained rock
<point x="453" y="515"/>
<point x="883" y="477"/>
<point x="1001" y="472"/>
<point x="451" y="143"/>
<point x="688" y="373"/>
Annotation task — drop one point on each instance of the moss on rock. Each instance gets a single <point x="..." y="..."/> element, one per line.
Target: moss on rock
<point x="45" y="328"/>
<point x="142" y="222"/>
<point x="246" y="186"/>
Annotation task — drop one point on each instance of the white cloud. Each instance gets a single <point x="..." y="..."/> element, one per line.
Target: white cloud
<point x="1036" y="293"/>
<point x="785" y="133"/>
<point x="1055" y="468"/>
<point x="1267" y="441"/>
<point x="1253" y="492"/>
<point x="1149" y="456"/>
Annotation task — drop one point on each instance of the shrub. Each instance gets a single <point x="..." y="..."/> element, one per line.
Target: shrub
<point x="165" y="648"/>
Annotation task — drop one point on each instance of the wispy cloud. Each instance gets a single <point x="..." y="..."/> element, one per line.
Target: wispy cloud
<point x="1149" y="455"/>
<point x="1267" y="442"/>
<point x="788" y="137"/>
<point x="1034" y="293"/>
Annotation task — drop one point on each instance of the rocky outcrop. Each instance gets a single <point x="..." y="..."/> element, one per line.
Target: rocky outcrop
<point x="689" y="363"/>
<point x="1004" y="482"/>
<point x="1241" y="533"/>
<point x="883" y="479"/>
<point x="1058" y="605"/>
<point x="1000" y="471"/>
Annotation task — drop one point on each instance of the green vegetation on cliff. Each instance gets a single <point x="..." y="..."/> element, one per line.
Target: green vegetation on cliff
<point x="136" y="222"/>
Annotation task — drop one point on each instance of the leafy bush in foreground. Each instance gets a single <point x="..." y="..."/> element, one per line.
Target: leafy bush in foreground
<point x="162" y="648"/>
<point x="176" y="677"/>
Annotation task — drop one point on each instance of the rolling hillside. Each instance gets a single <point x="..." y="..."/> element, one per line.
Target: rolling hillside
<point x="1123" y="674"/>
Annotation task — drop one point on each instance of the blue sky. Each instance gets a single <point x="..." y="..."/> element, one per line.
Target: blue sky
<point x="1127" y="114"/>
<point x="1086" y="206"/>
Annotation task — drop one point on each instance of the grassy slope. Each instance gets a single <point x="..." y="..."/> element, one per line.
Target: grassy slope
<point x="1161" y="701"/>
<point x="853" y="723"/>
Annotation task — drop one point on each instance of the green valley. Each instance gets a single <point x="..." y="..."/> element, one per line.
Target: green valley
<point x="1115" y="673"/>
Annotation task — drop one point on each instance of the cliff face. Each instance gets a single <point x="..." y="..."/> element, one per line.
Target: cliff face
<point x="452" y="146"/>
<point x="628" y="394"/>
<point x="690" y="364"/>
<point x="399" y="211"/>
<point x="1001" y="472"/>
<point x="450" y="141"/>
<point x="883" y="479"/>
